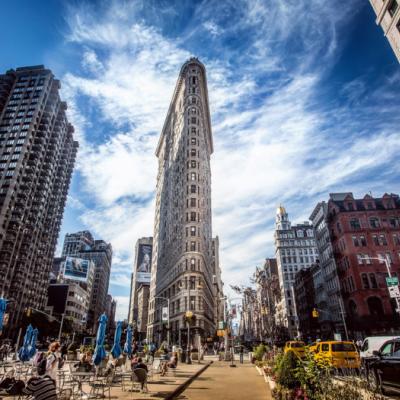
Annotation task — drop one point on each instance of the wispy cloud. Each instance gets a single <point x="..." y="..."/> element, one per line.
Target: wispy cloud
<point x="284" y="130"/>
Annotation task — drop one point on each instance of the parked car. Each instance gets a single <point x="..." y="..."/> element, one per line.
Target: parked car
<point x="369" y="345"/>
<point x="296" y="346"/>
<point x="338" y="354"/>
<point x="373" y="343"/>
<point x="385" y="369"/>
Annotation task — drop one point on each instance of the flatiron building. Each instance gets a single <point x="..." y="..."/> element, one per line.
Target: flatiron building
<point x="182" y="262"/>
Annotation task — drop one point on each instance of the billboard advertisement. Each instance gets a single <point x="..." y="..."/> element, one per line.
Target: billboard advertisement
<point x="76" y="269"/>
<point x="143" y="267"/>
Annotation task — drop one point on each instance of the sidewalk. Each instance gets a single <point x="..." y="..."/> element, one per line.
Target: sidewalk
<point x="220" y="381"/>
<point x="160" y="386"/>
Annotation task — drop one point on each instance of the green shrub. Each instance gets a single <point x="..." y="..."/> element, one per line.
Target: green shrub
<point x="286" y="371"/>
<point x="259" y="351"/>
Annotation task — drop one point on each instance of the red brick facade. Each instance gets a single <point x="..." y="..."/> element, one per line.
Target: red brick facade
<point x="362" y="229"/>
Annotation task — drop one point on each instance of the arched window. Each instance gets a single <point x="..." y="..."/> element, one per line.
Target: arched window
<point x="375" y="306"/>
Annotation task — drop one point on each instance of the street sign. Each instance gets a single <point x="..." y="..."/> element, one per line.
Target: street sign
<point x="221" y="325"/>
<point x="337" y="336"/>
<point x="394" y="291"/>
<point x="392" y="281"/>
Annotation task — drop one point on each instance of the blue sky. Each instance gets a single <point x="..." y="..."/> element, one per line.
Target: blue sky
<point x="304" y="96"/>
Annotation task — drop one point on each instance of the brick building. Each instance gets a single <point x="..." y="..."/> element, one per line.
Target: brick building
<point x="360" y="230"/>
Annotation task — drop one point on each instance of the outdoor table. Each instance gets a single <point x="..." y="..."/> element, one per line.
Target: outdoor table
<point x="80" y="378"/>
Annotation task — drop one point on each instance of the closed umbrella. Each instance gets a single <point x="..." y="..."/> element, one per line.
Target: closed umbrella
<point x="3" y="306"/>
<point x="23" y="353"/>
<point x="32" y="344"/>
<point x="99" y="352"/>
<point x="116" y="349"/>
<point x="128" y="342"/>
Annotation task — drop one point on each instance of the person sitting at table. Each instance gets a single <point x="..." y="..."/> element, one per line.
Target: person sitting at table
<point x="86" y="362"/>
<point x="41" y="388"/>
<point x="134" y="361"/>
<point x="140" y="364"/>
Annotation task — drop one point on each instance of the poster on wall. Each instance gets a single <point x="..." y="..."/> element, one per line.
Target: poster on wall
<point x="143" y="269"/>
<point x="76" y="269"/>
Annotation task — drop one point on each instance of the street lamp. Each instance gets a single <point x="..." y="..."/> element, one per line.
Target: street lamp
<point x="168" y="322"/>
<point x="387" y="263"/>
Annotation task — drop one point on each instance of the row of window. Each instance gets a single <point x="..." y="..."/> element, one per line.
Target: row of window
<point x="293" y="252"/>
<point x="374" y="223"/>
<point x="297" y="242"/>
<point x="301" y="259"/>
<point x="365" y="258"/>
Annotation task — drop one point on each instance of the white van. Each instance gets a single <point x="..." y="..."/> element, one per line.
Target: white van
<point x="373" y="343"/>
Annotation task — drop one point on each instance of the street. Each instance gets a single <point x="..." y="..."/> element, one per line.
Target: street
<point x="220" y="381"/>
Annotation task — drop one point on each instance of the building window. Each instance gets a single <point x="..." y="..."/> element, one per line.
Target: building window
<point x="193" y="140"/>
<point x="382" y="240"/>
<point x="355" y="241"/>
<point x="355" y="223"/>
<point x="193" y="216"/>
<point x="193" y="164"/>
<point x="396" y="239"/>
<point x="192" y="231"/>
<point x="365" y="281"/>
<point x="393" y="7"/>
<point x="192" y="246"/>
<point x="375" y="240"/>
<point x="192" y="202"/>
<point x="193" y="176"/>
<point x="192" y="188"/>
<point x="374" y="222"/>
<point x="363" y="241"/>
<point x="193" y="152"/>
<point x="372" y="280"/>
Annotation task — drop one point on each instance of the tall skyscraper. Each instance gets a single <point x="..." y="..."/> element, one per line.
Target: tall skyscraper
<point x="140" y="275"/>
<point x="182" y="246"/>
<point x="388" y="17"/>
<point x="295" y="249"/>
<point x="37" y="156"/>
<point x="83" y="245"/>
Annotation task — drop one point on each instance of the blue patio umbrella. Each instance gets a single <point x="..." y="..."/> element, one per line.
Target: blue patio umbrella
<point x="99" y="352"/>
<point x="3" y="306"/>
<point x="32" y="344"/>
<point x="116" y="349"/>
<point x="23" y="353"/>
<point x="128" y="342"/>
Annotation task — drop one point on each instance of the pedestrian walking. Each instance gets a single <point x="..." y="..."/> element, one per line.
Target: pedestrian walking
<point x="241" y="349"/>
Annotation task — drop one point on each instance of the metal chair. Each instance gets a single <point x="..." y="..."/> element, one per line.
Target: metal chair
<point x="140" y="377"/>
<point x="102" y="385"/>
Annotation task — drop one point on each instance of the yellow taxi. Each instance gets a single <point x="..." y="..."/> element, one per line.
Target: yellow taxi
<point x="338" y="354"/>
<point x="296" y="346"/>
<point x="312" y="347"/>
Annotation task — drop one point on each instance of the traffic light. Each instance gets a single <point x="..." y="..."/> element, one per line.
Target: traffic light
<point x="315" y="313"/>
<point x="28" y="312"/>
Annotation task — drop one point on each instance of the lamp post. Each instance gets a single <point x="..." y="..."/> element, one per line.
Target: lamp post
<point x="168" y="322"/>
<point x="387" y="263"/>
